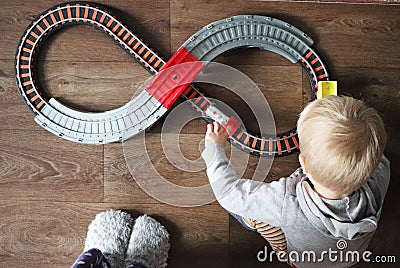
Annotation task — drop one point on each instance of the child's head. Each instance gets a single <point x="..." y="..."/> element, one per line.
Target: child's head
<point x="341" y="142"/>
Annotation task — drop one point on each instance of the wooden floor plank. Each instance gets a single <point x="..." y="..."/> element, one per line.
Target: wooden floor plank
<point x="137" y="164"/>
<point x="37" y="165"/>
<point x="119" y="185"/>
<point x="92" y="87"/>
<point x="52" y="233"/>
<point x="12" y="108"/>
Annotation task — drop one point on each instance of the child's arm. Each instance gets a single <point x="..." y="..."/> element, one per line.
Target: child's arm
<point x="252" y="199"/>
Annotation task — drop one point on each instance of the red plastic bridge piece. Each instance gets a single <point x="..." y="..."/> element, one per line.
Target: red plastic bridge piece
<point x="174" y="77"/>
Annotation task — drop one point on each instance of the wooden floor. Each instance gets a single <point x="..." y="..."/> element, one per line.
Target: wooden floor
<point x="51" y="189"/>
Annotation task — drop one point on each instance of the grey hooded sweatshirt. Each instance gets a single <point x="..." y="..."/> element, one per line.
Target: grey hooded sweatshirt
<point x="319" y="232"/>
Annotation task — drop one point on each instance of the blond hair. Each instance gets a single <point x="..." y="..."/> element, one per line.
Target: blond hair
<point x="342" y="141"/>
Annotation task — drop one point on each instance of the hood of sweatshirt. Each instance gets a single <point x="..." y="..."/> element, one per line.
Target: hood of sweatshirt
<point x="348" y="218"/>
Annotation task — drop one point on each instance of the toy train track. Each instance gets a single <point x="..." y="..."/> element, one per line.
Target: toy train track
<point x="74" y="125"/>
<point x="145" y="109"/>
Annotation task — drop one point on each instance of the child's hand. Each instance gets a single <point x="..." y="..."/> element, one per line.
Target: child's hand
<point x="216" y="133"/>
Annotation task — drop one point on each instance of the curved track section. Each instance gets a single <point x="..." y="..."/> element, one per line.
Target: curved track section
<point x="73" y="125"/>
<point x="268" y="34"/>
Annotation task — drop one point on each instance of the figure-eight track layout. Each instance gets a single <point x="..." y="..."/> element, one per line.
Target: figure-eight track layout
<point x="145" y="109"/>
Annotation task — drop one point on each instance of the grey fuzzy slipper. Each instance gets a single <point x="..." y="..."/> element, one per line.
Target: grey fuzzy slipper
<point x="109" y="232"/>
<point x="148" y="244"/>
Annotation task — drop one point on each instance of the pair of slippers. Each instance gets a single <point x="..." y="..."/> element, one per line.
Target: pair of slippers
<point x="124" y="241"/>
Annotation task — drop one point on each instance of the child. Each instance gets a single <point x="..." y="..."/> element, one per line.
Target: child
<point x="332" y="203"/>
